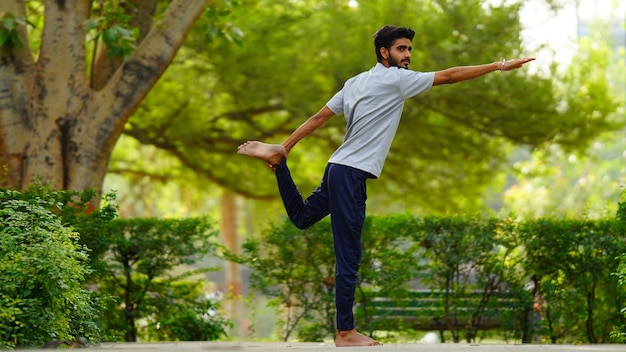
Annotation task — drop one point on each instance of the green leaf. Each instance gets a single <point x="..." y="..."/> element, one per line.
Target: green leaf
<point x="93" y="23"/>
<point x="15" y="39"/>
<point x="4" y="35"/>
<point x="109" y="35"/>
<point x="9" y="23"/>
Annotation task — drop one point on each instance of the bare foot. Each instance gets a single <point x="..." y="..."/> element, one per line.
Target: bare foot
<point x="272" y="154"/>
<point x="354" y="338"/>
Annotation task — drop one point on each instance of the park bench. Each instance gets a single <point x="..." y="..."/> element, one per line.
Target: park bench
<point x="425" y="310"/>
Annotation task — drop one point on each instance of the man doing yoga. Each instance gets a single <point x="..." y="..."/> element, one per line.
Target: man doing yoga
<point x="372" y="104"/>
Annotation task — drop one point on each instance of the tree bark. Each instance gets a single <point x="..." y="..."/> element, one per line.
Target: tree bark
<point x="54" y="125"/>
<point x="103" y="67"/>
<point x="230" y="239"/>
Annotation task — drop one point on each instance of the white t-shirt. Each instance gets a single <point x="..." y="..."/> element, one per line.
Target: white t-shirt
<point x="372" y="104"/>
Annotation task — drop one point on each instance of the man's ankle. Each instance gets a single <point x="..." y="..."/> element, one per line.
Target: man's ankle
<point x="281" y="164"/>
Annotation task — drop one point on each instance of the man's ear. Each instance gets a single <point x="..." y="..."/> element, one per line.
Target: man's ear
<point x="384" y="53"/>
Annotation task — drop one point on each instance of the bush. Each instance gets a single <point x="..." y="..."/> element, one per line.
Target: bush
<point x="619" y="332"/>
<point x="54" y="243"/>
<point x="296" y="269"/>
<point x="573" y="261"/>
<point x="42" y="268"/>
<point x="152" y="302"/>
<point x="557" y="273"/>
<point x="184" y="312"/>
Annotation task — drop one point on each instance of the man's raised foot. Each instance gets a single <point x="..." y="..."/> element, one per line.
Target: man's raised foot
<point x="350" y="338"/>
<point x="272" y="154"/>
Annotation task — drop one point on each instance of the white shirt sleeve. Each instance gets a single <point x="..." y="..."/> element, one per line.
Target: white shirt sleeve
<point x="336" y="103"/>
<point x="413" y="83"/>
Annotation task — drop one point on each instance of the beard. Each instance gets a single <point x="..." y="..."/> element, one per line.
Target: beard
<point x="394" y="62"/>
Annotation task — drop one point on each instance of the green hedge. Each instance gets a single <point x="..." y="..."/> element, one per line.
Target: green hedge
<point x="561" y="273"/>
<point x="565" y="275"/>
<point x="139" y="273"/>
<point x="71" y="272"/>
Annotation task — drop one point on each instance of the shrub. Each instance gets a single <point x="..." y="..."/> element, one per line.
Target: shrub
<point x="556" y="273"/>
<point x="619" y="332"/>
<point x="140" y="273"/>
<point x="42" y="268"/>
<point x="296" y="269"/>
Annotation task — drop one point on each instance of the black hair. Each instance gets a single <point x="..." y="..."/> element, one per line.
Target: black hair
<point x="385" y="36"/>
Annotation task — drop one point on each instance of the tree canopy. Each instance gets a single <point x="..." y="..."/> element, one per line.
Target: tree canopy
<point x="72" y="73"/>
<point x="292" y="56"/>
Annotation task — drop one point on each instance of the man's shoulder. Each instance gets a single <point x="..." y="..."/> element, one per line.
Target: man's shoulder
<point x="394" y="71"/>
<point x="381" y="73"/>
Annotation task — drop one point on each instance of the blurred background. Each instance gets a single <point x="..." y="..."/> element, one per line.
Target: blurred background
<point x="547" y="140"/>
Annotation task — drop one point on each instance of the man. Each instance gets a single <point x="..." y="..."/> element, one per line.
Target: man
<point x="372" y="104"/>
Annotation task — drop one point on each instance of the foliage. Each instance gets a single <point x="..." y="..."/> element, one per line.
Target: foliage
<point x="113" y="28"/>
<point x="302" y="286"/>
<point x="574" y="261"/>
<point x="185" y="312"/>
<point x="45" y="281"/>
<point x="558" y="181"/>
<point x="619" y="333"/>
<point x="142" y="261"/>
<point x="470" y="254"/>
<point x="390" y="261"/>
<point x="9" y="35"/>
<point x="76" y="209"/>
<point x="621" y="209"/>
<point x="42" y="270"/>
<point x="557" y="273"/>
<point x="263" y="88"/>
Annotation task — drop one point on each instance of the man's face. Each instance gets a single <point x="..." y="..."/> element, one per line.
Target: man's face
<point x="400" y="53"/>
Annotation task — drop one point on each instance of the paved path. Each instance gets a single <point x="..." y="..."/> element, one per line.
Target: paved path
<point x="313" y="347"/>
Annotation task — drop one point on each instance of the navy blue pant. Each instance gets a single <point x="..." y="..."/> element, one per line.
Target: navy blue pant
<point x="342" y="194"/>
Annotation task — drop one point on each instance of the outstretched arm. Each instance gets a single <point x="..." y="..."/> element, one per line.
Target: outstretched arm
<point x="310" y="125"/>
<point x="463" y="73"/>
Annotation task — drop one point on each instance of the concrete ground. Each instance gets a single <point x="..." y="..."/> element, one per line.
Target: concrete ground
<point x="313" y="347"/>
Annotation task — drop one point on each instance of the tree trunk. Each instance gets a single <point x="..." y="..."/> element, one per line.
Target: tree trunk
<point x="591" y="335"/>
<point x="234" y="307"/>
<point x="130" y="335"/>
<point x="54" y="125"/>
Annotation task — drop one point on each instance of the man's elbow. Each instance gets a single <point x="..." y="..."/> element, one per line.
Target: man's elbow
<point x="444" y="79"/>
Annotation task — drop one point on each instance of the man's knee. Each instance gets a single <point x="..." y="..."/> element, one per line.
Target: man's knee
<point x="303" y="220"/>
<point x="301" y="225"/>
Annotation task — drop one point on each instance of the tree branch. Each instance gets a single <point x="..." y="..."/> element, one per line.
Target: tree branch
<point x="104" y="66"/>
<point x="63" y="32"/>
<point x="15" y="69"/>
<point x="136" y="76"/>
